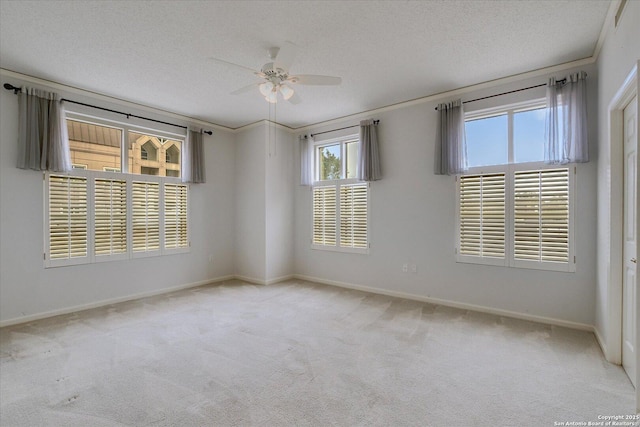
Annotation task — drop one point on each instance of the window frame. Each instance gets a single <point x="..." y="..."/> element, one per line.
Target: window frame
<point x="126" y="128"/>
<point x="509" y="170"/>
<point x="122" y="175"/>
<point x="342" y="141"/>
<point x="338" y="184"/>
<point x="509" y="110"/>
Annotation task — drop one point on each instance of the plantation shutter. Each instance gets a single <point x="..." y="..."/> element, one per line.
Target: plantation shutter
<point x="145" y="200"/>
<point x="110" y="220"/>
<point x="67" y="217"/>
<point x="482" y="215"/>
<point x="324" y="215"/>
<point x="175" y="216"/>
<point x="353" y="216"/>
<point x="541" y="215"/>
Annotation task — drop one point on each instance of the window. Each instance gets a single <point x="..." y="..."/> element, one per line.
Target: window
<point x="172" y="154"/>
<point x="110" y="216"/>
<point x="145" y="200"/>
<point x="146" y="152"/>
<point x="340" y="202"/>
<point x="98" y="213"/>
<point x="541" y="216"/>
<point x="512" y="210"/>
<point x="94" y="146"/>
<point x="329" y="164"/>
<point x="67" y="239"/>
<point x="175" y="216"/>
<point x="482" y="215"/>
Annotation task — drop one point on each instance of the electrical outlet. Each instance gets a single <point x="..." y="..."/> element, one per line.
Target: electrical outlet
<point x="414" y="268"/>
<point x="405" y="267"/>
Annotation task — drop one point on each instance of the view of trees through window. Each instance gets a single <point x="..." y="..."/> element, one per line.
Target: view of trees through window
<point x="330" y="160"/>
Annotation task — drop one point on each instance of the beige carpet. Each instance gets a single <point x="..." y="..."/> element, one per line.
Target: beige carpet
<point x="297" y="353"/>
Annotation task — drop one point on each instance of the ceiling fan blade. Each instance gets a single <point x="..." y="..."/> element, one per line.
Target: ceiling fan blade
<point x="310" y="79"/>
<point x="245" y="89"/>
<point x="295" y="99"/>
<point x="222" y="61"/>
<point x="286" y="55"/>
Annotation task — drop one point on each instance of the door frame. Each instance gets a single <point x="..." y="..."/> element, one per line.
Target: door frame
<point x="613" y="349"/>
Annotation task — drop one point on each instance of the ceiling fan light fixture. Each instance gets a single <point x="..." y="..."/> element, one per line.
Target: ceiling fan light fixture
<point x="266" y="88"/>
<point x="286" y="92"/>
<point x="272" y="97"/>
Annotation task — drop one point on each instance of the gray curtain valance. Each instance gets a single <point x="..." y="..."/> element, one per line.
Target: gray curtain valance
<point x="193" y="169"/>
<point x="368" y="155"/>
<point x="43" y="142"/>
<point x="306" y="169"/>
<point x="451" y="144"/>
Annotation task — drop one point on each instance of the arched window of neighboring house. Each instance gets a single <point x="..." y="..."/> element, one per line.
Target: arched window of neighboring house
<point x="148" y="151"/>
<point x="172" y="155"/>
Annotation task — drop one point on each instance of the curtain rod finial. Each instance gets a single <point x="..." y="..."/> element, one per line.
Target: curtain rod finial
<point x="9" y="86"/>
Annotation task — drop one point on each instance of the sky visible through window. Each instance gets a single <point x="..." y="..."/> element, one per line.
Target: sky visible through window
<point x="528" y="136"/>
<point x="487" y="141"/>
<point x="488" y="138"/>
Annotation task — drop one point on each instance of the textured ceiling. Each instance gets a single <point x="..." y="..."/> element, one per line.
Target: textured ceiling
<point x="155" y="53"/>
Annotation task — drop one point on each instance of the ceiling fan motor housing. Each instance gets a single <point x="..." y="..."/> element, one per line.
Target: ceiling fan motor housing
<point x="274" y="73"/>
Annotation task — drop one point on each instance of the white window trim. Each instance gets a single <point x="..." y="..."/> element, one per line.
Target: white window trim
<point x="343" y="140"/>
<point x="125" y="128"/>
<point x="129" y="254"/>
<point x="509" y="170"/>
<point x="337" y="248"/>
<point x="509" y="111"/>
<point x="509" y="260"/>
<point x="123" y="175"/>
<point x="48" y="262"/>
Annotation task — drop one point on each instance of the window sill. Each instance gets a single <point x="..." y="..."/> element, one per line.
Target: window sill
<point x="518" y="264"/>
<point x="361" y="251"/>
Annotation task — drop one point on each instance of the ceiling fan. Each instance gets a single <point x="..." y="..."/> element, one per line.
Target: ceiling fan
<point x="276" y="78"/>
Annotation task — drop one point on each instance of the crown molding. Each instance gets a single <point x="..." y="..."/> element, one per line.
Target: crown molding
<point x="609" y="18"/>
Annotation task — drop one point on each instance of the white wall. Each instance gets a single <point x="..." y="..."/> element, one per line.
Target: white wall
<point x="413" y="221"/>
<point x="279" y="204"/>
<point x="264" y="203"/>
<point x="619" y="53"/>
<point x="250" y="232"/>
<point x="28" y="289"/>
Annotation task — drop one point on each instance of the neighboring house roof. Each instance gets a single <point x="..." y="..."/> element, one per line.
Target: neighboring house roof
<point x="85" y="132"/>
<point x="96" y="134"/>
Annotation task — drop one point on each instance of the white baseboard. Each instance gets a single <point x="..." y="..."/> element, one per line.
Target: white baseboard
<point x="280" y="279"/>
<point x="248" y="279"/>
<point x="601" y="343"/>
<point x="81" y="307"/>
<point x="256" y="281"/>
<point x="454" y="304"/>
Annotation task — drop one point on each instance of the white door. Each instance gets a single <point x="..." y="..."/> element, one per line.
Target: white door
<point x="630" y="254"/>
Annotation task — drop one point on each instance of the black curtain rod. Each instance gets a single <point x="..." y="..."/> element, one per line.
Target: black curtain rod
<point x="511" y="91"/>
<point x="503" y="93"/>
<point x="375" y="122"/>
<point x="17" y="90"/>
